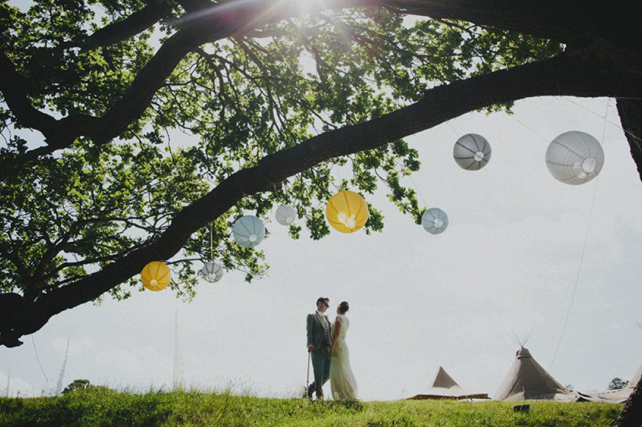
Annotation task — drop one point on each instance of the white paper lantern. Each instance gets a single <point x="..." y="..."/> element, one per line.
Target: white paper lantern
<point x="472" y="152"/>
<point x="212" y="272"/>
<point x="434" y="221"/>
<point x="285" y="215"/>
<point x="574" y="158"/>
<point x="248" y="231"/>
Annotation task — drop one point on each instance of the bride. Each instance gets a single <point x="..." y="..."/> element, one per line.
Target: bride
<point x="343" y="384"/>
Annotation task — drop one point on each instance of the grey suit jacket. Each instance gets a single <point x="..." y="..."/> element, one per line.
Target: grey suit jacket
<point x="318" y="331"/>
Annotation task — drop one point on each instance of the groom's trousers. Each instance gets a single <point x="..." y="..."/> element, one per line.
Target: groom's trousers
<point x="321" y="368"/>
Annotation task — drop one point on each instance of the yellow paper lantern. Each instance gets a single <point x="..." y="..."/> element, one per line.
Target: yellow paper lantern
<point x="156" y="276"/>
<point x="347" y="211"/>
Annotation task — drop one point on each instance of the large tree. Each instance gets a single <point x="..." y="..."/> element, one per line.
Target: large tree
<point x="137" y="131"/>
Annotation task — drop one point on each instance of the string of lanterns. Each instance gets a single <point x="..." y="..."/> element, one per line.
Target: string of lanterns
<point x="573" y="158"/>
<point x="212" y="271"/>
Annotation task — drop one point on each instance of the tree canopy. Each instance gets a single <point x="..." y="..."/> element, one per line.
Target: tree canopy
<point x="136" y="131"/>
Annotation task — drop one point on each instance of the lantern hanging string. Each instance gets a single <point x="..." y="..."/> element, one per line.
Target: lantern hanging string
<point x="398" y="164"/>
<point x="606" y="115"/>
<point x="579" y="269"/>
<point x="533" y="131"/>
<point x="417" y="190"/>
<point x="442" y="114"/>
<point x="637" y="138"/>
<point x="332" y="164"/>
<point x="410" y="175"/>
<point x="211" y="243"/>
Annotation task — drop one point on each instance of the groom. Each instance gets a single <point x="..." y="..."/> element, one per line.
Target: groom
<point x="318" y="326"/>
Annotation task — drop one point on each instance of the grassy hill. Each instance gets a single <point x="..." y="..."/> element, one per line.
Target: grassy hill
<point x="92" y="408"/>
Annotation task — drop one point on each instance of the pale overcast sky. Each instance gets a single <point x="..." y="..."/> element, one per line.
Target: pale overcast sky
<point x="506" y="265"/>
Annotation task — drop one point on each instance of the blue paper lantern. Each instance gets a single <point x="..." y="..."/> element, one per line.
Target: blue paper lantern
<point x="248" y="231"/>
<point x="434" y="221"/>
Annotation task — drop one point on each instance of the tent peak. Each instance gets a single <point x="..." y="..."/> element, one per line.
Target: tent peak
<point x="443" y="380"/>
<point x="523" y="353"/>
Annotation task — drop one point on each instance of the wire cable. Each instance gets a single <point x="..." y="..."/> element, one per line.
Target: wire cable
<point x="38" y="358"/>
<point x="579" y="269"/>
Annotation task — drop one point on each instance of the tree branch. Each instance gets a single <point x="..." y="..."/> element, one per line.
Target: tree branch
<point x="193" y="6"/>
<point x="13" y="88"/>
<point x="566" y="74"/>
<point x="631" y="415"/>
<point x="569" y="22"/>
<point x="630" y="111"/>
<point x="134" y="24"/>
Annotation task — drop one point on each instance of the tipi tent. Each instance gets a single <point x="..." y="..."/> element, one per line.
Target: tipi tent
<point x="526" y="379"/>
<point x="618" y="396"/>
<point x="444" y="387"/>
<point x="636" y="378"/>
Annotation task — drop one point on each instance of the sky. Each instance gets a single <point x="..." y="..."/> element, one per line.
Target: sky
<point x="506" y="267"/>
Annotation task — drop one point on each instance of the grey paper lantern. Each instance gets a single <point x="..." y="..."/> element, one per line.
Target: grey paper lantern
<point x="574" y="158"/>
<point x="248" y="231"/>
<point x="434" y="221"/>
<point x="472" y="152"/>
<point x="285" y="215"/>
<point x="212" y="272"/>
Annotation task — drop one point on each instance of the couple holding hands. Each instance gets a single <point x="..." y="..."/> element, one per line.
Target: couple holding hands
<point x="329" y="352"/>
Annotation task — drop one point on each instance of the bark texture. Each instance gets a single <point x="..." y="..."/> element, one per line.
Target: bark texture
<point x="631" y="415"/>
<point x="630" y="111"/>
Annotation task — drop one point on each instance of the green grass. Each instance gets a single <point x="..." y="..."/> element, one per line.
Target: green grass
<point x="91" y="408"/>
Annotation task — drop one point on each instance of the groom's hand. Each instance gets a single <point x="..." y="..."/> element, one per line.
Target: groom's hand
<point x="310" y="348"/>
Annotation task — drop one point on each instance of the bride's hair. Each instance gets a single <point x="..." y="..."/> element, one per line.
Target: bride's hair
<point x="344" y="306"/>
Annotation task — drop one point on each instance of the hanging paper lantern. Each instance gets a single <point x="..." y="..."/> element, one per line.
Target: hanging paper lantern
<point x="472" y="152"/>
<point x="248" y="231"/>
<point x="434" y="221"/>
<point x="347" y="211"/>
<point x="285" y="215"/>
<point x="212" y="272"/>
<point x="574" y="158"/>
<point x="156" y="276"/>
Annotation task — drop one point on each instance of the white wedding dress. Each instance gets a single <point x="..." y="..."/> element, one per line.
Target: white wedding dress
<point x="342" y="381"/>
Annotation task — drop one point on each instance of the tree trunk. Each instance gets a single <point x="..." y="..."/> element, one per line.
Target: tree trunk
<point x="631" y="415"/>
<point x="630" y="111"/>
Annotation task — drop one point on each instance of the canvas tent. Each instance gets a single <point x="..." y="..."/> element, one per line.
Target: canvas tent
<point x="636" y="378"/>
<point x="444" y="387"/>
<point x="618" y="396"/>
<point x="526" y="380"/>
